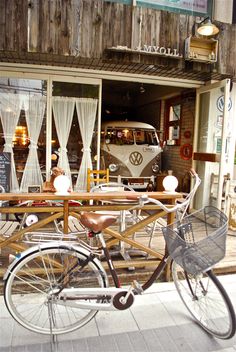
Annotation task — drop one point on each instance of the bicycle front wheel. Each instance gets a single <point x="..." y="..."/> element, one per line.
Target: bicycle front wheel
<point x="33" y="283"/>
<point x="206" y="300"/>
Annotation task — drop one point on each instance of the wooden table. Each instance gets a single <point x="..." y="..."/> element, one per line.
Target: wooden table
<point x="67" y="208"/>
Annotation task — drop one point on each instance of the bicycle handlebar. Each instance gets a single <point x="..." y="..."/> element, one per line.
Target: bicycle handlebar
<point x="144" y="199"/>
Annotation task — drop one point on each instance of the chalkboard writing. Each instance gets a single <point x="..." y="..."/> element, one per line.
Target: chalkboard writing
<point x="5" y="170"/>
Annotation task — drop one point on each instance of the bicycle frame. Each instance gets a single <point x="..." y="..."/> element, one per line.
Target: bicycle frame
<point x="113" y="298"/>
<point x="118" y="297"/>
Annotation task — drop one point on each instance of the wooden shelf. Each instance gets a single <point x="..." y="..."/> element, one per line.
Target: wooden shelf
<point x="212" y="157"/>
<point x="201" y="49"/>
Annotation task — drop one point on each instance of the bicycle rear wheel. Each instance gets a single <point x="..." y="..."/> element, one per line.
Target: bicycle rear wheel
<point x="206" y="300"/>
<point x="32" y="285"/>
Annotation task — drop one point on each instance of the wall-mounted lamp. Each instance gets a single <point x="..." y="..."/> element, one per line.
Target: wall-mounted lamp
<point x="207" y="28"/>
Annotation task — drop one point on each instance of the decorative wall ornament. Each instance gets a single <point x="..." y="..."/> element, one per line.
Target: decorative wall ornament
<point x="186" y="151"/>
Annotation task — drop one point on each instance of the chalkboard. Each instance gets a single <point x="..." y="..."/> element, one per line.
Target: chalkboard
<point x="5" y="170"/>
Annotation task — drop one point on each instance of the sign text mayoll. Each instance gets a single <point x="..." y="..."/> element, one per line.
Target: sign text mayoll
<point x="161" y="50"/>
<point x="150" y="49"/>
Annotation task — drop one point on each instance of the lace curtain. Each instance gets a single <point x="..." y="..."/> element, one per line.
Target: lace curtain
<point x="34" y="119"/>
<point x="86" y="111"/>
<point x="10" y="113"/>
<point x="63" y="109"/>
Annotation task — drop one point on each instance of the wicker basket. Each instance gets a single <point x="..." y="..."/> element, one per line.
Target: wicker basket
<point x="198" y="242"/>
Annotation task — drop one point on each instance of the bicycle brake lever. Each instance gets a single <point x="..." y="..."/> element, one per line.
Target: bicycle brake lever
<point x="143" y="199"/>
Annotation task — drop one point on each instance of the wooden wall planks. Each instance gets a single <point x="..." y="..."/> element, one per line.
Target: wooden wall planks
<point x="85" y="28"/>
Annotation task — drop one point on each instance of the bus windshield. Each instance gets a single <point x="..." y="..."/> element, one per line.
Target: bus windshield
<point x="146" y="137"/>
<point x="119" y="136"/>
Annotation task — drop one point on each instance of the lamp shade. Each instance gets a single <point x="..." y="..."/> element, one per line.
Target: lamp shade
<point x="62" y="185"/>
<point x="170" y="183"/>
<point x="207" y="28"/>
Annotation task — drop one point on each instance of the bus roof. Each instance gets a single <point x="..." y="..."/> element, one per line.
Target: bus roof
<point x="127" y="124"/>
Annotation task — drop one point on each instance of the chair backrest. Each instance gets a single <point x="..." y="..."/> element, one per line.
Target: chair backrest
<point x="111" y="187"/>
<point x="95" y="177"/>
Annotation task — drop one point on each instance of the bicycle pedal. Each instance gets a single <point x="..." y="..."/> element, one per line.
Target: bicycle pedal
<point x="137" y="287"/>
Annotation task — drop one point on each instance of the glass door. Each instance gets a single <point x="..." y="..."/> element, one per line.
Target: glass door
<point x="212" y="134"/>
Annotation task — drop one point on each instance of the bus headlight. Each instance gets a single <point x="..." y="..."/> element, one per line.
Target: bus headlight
<point x="155" y="168"/>
<point x="113" y="167"/>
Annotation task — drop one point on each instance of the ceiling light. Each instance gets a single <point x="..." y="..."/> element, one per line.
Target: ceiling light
<point x="207" y="28"/>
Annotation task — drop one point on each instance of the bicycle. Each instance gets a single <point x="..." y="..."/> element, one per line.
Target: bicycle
<point x="57" y="287"/>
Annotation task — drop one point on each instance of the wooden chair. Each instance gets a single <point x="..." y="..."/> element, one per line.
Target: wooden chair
<point x="95" y="177"/>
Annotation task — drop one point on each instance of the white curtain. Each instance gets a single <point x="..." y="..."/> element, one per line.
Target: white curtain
<point x="34" y="119"/>
<point x="63" y="109"/>
<point x="10" y="113"/>
<point x="86" y="111"/>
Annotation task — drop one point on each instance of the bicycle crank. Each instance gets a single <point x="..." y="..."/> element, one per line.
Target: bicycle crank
<point x="121" y="301"/>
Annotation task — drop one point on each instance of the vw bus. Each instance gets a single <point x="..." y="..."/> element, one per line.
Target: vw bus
<point x="131" y="150"/>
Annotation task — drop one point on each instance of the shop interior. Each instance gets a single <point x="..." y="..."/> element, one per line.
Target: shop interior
<point x="121" y="100"/>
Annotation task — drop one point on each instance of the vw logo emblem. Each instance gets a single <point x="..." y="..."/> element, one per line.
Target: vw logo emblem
<point x="136" y="158"/>
<point x="221" y="101"/>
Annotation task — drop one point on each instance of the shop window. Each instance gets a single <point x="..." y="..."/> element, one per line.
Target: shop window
<point x="74" y="127"/>
<point x="172" y="123"/>
<point x="22" y="129"/>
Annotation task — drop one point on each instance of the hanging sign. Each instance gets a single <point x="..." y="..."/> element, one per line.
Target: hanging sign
<point x="192" y="7"/>
<point x="151" y="50"/>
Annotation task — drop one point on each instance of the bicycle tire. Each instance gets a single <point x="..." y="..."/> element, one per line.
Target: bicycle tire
<point x="32" y="279"/>
<point x="206" y="300"/>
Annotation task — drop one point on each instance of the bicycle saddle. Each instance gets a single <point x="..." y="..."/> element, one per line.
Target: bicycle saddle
<point x="97" y="222"/>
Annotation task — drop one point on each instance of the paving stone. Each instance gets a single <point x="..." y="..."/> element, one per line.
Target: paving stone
<point x="64" y="346"/>
<point x="94" y="344"/>
<point x="108" y="343"/>
<point x="80" y="345"/>
<point x="151" y="340"/>
<point x="5" y="349"/>
<point x="123" y="342"/>
<point x="179" y="339"/>
<point x="34" y="348"/>
<point x="18" y="349"/>
<point x="137" y="341"/>
<point x="165" y="340"/>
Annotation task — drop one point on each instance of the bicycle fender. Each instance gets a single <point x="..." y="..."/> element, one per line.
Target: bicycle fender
<point x="42" y="246"/>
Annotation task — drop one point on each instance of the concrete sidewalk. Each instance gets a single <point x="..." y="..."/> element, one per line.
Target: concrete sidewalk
<point x="157" y="321"/>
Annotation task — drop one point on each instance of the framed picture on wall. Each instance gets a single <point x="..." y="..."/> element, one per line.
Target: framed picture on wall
<point x="34" y="189"/>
